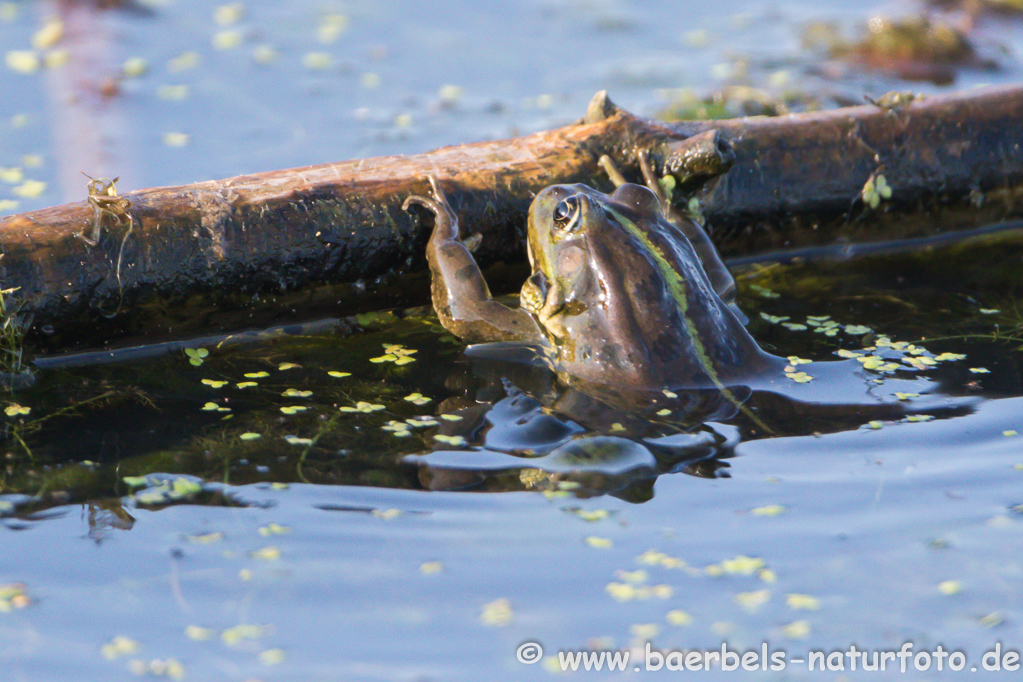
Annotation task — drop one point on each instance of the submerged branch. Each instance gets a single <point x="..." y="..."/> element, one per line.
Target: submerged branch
<point x="330" y="240"/>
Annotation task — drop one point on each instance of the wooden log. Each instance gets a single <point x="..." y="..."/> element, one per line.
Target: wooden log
<point x="330" y="240"/>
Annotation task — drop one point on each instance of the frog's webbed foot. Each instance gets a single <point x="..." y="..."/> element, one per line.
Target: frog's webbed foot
<point x="438" y="203"/>
<point x="445" y="226"/>
<point x="721" y="280"/>
<point x="646" y="166"/>
<point x="534" y="293"/>
<point x="652" y="182"/>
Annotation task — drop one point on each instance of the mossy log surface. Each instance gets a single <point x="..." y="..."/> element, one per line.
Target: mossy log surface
<point x="330" y="240"/>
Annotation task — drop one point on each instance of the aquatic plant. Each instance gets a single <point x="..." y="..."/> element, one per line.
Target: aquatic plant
<point x="12" y="334"/>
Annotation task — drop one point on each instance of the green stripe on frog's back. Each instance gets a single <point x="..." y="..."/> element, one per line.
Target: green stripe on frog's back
<point x="678" y="288"/>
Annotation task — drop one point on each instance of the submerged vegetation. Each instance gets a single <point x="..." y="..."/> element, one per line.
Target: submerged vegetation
<point x="12" y="334"/>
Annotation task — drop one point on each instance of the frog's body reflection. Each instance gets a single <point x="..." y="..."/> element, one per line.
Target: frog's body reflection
<point x="527" y="430"/>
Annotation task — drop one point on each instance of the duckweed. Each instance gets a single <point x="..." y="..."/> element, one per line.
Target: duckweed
<point x="119" y="646"/>
<point x="266" y="554"/>
<point x="875" y="190"/>
<point x="197" y="633"/>
<point x="497" y="613"/>
<point x="769" y="510"/>
<point x="271" y="656"/>
<point x="13" y="596"/>
<point x="196" y="355"/>
<point x="239" y="633"/>
<point x="678" y="618"/>
<point x="362" y="406"/>
<point x="802" y="601"/>
<point x="742" y="565"/>
<point x="397" y="428"/>
<point x="751" y="601"/>
<point x="799" y="629"/>
<point x="395" y="353"/>
<point x="431" y="567"/>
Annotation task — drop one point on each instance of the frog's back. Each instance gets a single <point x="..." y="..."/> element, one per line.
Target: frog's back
<point x="658" y="322"/>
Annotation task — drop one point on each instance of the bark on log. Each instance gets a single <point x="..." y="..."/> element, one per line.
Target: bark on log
<point x="330" y="240"/>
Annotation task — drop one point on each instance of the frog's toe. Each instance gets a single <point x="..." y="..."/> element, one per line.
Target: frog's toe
<point x="472" y="242"/>
<point x="531" y="300"/>
<point x="438" y="193"/>
<point x="652" y="180"/>
<point x="426" y="202"/>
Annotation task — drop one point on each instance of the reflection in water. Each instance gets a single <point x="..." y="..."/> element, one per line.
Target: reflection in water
<point x="526" y="445"/>
<point x="106" y="515"/>
<point x="527" y="431"/>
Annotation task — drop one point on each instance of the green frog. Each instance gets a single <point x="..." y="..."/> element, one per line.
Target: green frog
<point x="625" y="292"/>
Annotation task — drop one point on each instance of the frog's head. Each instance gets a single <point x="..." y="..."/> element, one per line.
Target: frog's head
<point x="619" y="290"/>
<point x="563" y="220"/>
<point x="576" y="236"/>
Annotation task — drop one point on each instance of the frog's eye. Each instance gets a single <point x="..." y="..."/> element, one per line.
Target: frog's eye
<point x="566" y="214"/>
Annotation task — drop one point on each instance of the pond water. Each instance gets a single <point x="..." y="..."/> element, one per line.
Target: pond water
<point x="360" y="500"/>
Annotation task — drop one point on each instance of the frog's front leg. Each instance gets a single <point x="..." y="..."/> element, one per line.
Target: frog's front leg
<point x="460" y="293"/>
<point x="720" y="278"/>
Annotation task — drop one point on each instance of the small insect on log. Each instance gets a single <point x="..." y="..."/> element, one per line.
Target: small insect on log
<point x="105" y="201"/>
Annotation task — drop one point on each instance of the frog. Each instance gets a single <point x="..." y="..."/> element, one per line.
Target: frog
<point x="631" y="306"/>
<point x="625" y="292"/>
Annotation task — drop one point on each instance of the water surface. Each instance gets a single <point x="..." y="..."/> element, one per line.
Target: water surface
<point x="145" y="528"/>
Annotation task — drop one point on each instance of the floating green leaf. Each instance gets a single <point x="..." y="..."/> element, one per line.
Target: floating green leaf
<point x="295" y="393"/>
<point x="196" y="355"/>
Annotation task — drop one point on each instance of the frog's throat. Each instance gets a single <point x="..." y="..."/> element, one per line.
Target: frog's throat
<point x="677" y="286"/>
